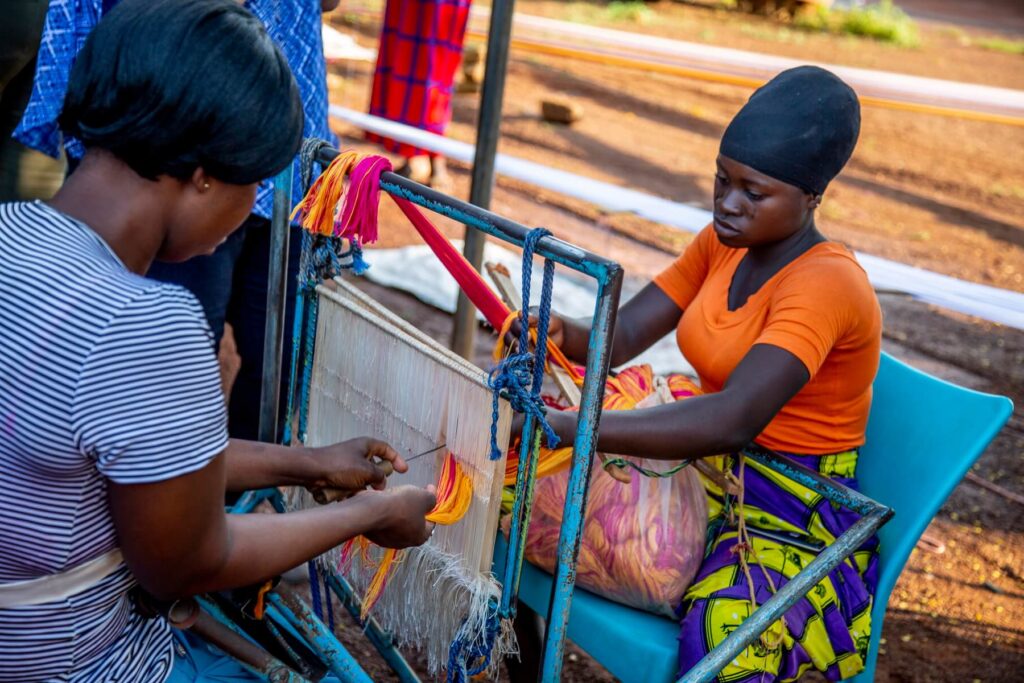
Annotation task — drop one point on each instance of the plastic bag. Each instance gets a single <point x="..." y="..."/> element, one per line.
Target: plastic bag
<point x="643" y="541"/>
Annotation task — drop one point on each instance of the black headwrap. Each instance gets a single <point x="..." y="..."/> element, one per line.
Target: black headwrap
<point x="800" y="128"/>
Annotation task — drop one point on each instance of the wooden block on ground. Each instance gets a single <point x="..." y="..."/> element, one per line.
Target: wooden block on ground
<point x="473" y="53"/>
<point x="561" y="110"/>
<point x="473" y="72"/>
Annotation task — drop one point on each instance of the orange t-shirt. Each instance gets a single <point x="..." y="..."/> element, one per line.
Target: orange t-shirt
<point x="820" y="307"/>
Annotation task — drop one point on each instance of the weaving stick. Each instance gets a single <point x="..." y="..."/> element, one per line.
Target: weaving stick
<point x="570" y="392"/>
<point x="494" y="310"/>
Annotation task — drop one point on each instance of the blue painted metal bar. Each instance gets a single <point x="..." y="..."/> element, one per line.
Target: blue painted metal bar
<point x="768" y="613"/>
<point x="382" y="640"/>
<point x="598" y="357"/>
<point x="522" y="504"/>
<point x="832" y="490"/>
<point x="248" y="501"/>
<point x="270" y="669"/>
<point x="318" y="637"/>
<point x="277" y="288"/>
<point x="275" y="623"/>
<point x="570" y="256"/>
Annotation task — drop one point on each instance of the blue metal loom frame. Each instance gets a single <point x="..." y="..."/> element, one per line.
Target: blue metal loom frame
<point x="608" y="276"/>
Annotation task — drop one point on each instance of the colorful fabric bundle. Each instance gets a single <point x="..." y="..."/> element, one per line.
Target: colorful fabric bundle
<point x="642" y="541"/>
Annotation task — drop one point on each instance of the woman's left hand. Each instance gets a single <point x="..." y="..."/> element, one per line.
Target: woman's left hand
<point x="353" y="465"/>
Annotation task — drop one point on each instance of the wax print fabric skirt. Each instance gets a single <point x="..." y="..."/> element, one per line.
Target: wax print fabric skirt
<point x="829" y="629"/>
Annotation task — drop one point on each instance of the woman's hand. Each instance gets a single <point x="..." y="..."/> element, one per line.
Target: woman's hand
<point x="400" y="515"/>
<point x="353" y="465"/>
<point x="556" y="329"/>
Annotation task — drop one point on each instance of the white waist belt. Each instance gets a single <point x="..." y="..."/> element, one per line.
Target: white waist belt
<point x="56" y="587"/>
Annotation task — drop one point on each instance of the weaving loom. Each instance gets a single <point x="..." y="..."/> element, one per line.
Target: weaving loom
<point x="631" y="644"/>
<point x="374" y="374"/>
<point x="357" y="370"/>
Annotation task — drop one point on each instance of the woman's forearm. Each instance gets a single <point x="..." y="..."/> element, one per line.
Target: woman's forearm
<point x="721" y="422"/>
<point x="697" y="427"/>
<point x="639" y="323"/>
<point x="255" y="465"/>
<point x="257" y="547"/>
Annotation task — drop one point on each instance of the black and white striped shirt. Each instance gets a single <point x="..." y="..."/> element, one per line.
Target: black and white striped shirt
<point x="104" y="375"/>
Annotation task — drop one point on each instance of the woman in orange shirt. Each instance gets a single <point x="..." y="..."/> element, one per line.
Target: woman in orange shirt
<point x="784" y="331"/>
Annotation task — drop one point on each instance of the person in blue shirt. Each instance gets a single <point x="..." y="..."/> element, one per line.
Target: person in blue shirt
<point x="231" y="283"/>
<point x="24" y="173"/>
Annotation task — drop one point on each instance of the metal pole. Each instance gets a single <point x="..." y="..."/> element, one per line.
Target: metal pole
<point x="598" y="358"/>
<point x="277" y="288"/>
<point x="487" y="133"/>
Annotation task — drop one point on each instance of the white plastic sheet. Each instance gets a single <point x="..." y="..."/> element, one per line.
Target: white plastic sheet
<point x="417" y="271"/>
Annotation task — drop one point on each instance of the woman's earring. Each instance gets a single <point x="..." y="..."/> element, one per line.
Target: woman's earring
<point x="206" y="186"/>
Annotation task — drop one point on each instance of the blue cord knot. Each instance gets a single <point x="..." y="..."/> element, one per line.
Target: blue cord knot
<point x="521" y="375"/>
<point x="327" y="258"/>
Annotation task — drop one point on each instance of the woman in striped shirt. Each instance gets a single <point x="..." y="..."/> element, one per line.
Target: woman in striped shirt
<point x="112" y="422"/>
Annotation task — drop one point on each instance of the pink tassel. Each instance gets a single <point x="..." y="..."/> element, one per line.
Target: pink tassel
<point x="358" y="216"/>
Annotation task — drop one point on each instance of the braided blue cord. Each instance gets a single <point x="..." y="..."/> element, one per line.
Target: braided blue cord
<point x="307" y="366"/>
<point x="521" y="374"/>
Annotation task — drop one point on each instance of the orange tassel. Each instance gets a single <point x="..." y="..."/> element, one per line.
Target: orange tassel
<point x="316" y="210"/>
<point x="260" y="607"/>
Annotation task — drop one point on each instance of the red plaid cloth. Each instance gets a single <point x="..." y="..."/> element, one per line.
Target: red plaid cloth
<point x="420" y="49"/>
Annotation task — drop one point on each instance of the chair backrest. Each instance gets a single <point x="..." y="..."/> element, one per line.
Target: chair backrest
<point x="923" y="435"/>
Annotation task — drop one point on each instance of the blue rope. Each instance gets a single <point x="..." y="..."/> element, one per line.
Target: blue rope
<point x="312" y="313"/>
<point x="470" y="658"/>
<point x="521" y="374"/>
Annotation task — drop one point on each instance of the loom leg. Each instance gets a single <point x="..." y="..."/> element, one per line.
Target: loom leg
<point x="380" y="638"/>
<point x="340" y="662"/>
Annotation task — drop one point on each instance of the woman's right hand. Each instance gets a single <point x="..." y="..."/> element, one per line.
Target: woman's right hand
<point x="556" y="329"/>
<point x="400" y="515"/>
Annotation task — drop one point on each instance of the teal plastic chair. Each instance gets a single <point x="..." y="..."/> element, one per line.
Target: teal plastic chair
<point x="923" y="435"/>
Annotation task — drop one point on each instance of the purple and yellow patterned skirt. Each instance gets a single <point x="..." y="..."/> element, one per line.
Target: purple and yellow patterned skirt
<point x="829" y="629"/>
